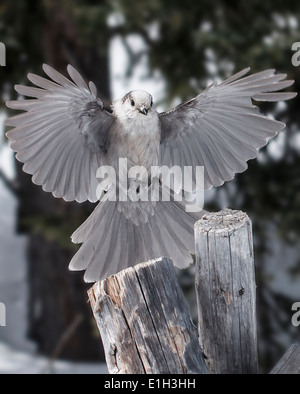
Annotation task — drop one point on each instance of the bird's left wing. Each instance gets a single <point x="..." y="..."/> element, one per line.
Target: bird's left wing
<point x="62" y="137"/>
<point x="221" y="129"/>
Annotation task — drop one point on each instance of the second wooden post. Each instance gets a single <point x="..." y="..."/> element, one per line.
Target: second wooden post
<point x="226" y="292"/>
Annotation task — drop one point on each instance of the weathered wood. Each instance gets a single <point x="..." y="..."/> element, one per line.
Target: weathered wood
<point x="226" y="292"/>
<point x="144" y="322"/>
<point x="289" y="364"/>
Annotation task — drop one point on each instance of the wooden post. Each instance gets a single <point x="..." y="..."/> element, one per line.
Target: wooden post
<point x="144" y="322"/>
<point x="289" y="364"/>
<point x="226" y="292"/>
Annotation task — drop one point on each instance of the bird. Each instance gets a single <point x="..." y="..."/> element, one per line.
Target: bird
<point x="66" y="135"/>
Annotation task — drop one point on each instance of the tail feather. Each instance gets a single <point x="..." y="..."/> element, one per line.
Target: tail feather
<point x="112" y="243"/>
<point x="175" y="238"/>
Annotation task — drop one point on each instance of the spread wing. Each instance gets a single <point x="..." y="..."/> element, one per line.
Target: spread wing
<point x="62" y="136"/>
<point x="221" y="129"/>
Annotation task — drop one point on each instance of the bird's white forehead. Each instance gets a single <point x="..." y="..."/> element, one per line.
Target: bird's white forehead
<point x="140" y="95"/>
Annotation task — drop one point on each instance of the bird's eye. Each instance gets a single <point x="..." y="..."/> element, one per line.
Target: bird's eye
<point x="151" y="103"/>
<point x="132" y="103"/>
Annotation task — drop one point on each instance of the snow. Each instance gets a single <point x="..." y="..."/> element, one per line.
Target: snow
<point x="13" y="361"/>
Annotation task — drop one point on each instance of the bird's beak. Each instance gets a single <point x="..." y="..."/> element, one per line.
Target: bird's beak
<point x="144" y="110"/>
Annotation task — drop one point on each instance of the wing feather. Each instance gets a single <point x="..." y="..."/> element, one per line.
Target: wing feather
<point x="61" y="137"/>
<point x="221" y="129"/>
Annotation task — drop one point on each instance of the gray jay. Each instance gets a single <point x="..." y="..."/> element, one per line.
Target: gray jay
<point x="66" y="135"/>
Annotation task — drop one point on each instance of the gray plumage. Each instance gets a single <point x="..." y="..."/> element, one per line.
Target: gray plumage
<point x="66" y="135"/>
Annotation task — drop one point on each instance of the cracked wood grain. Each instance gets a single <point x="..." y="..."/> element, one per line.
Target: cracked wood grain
<point x="144" y="322"/>
<point x="226" y="292"/>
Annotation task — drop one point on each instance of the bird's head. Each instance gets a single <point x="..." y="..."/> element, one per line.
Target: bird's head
<point x="133" y="104"/>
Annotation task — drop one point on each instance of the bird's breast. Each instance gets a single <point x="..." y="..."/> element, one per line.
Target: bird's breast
<point x="138" y="141"/>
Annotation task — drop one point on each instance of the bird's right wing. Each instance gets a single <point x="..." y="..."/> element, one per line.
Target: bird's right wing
<point x="221" y="129"/>
<point x="62" y="137"/>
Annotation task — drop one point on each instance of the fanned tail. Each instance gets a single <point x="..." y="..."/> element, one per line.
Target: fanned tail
<point x="112" y="243"/>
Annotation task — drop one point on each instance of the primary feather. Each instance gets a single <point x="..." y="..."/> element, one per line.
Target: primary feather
<point x="62" y="136"/>
<point x="221" y="129"/>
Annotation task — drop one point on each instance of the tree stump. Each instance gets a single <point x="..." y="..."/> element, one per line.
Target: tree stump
<point x="226" y="292"/>
<point x="144" y="322"/>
